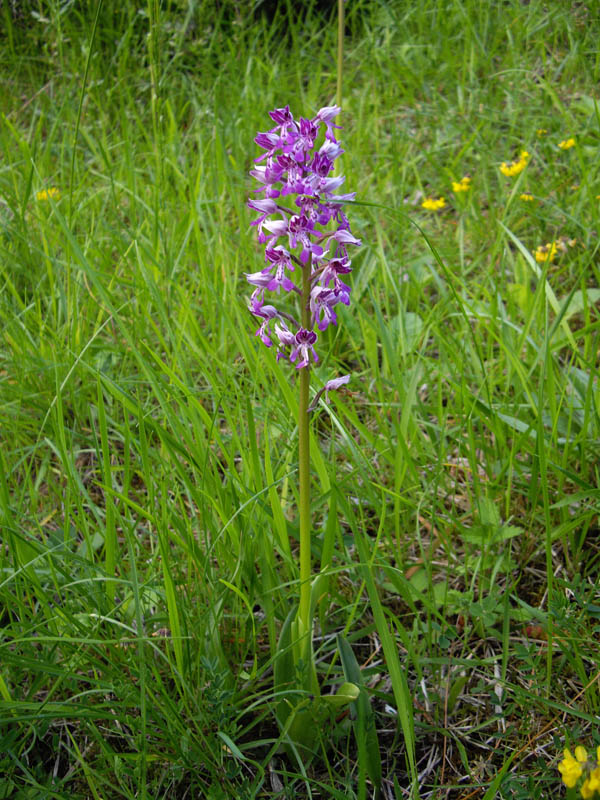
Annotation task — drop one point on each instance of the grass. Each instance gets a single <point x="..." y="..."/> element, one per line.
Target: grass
<point x="148" y="465"/>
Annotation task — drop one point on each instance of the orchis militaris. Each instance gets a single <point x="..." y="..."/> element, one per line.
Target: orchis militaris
<point x="305" y="232"/>
<point x="306" y="235"/>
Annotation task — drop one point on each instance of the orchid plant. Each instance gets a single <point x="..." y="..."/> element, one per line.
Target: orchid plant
<point x="306" y="235"/>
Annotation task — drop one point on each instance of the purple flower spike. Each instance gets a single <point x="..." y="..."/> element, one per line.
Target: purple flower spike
<point x="302" y="223"/>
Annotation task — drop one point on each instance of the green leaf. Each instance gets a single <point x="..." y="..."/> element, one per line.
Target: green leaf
<point x="549" y="292"/>
<point x="364" y="721"/>
<point x="231" y="745"/>
<point x="347" y="693"/>
<point x="295" y="705"/>
<point x="246" y="602"/>
<point x="578" y="301"/>
<point x="397" y="672"/>
<point x="455" y="691"/>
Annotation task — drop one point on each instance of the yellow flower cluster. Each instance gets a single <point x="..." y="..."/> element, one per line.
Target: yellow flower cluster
<point x="433" y="205"/>
<point x="546" y="252"/>
<point x="46" y="194"/>
<point x="572" y="768"/>
<point x="515" y="167"/>
<point x="463" y="185"/>
<point x="591" y="784"/>
<point x="526" y="197"/>
<point x="566" y="144"/>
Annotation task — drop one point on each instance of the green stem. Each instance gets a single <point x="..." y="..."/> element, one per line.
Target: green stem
<point x="304" y="465"/>
<point x="340" y="53"/>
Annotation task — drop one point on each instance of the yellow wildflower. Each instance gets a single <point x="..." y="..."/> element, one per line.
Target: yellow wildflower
<point x="546" y="252"/>
<point x="526" y="197"/>
<point x="433" y="205"/>
<point x="515" y="167"/>
<point x="463" y="185"/>
<point x="45" y="194"/>
<point x="541" y="131"/>
<point x="591" y="785"/>
<point x="571" y="768"/>
<point x="566" y="144"/>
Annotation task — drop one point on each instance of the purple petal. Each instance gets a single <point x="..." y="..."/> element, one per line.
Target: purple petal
<point x="277" y="226"/>
<point x="345" y="237"/>
<point x="335" y="383"/>
<point x="327" y="113"/>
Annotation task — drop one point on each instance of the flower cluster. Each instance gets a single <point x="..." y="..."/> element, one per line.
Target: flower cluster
<point x="515" y="167"/>
<point x="463" y="185"/>
<point x="549" y="251"/>
<point x="305" y="232"/>
<point x="546" y="252"/>
<point x="567" y="144"/>
<point x="572" y="768"/>
<point x="46" y="194"/>
<point x="433" y="204"/>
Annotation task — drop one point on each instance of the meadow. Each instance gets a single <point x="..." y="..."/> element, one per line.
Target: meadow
<point x="148" y="440"/>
